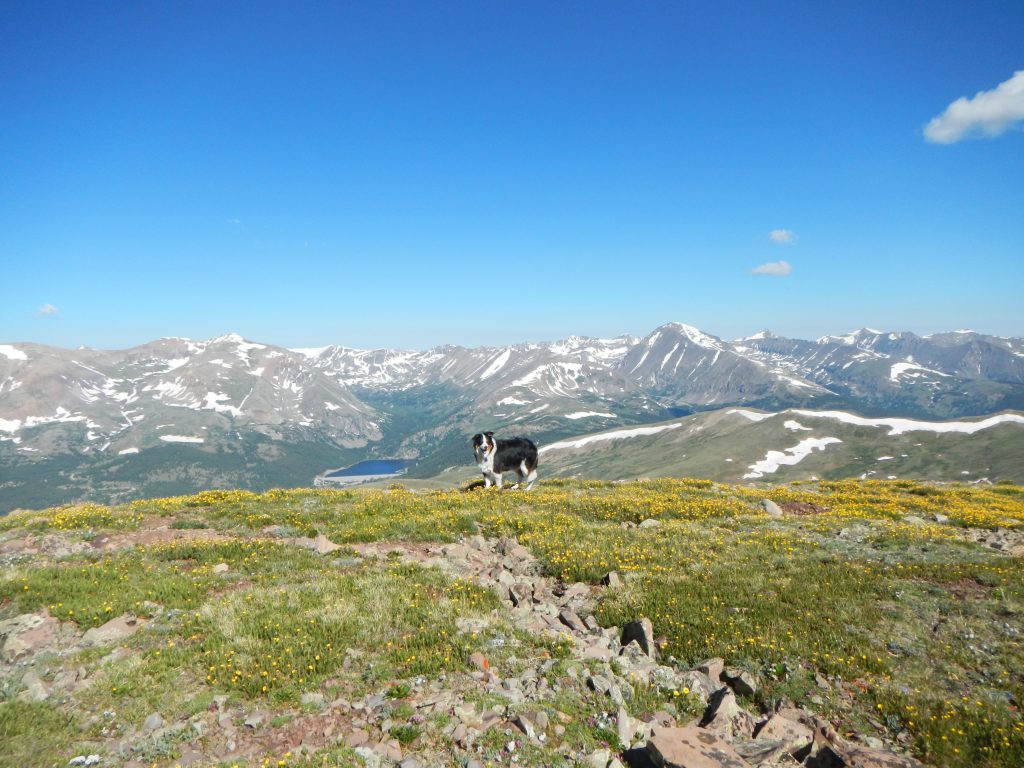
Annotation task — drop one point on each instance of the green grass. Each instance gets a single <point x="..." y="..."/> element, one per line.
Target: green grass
<point x="36" y="735"/>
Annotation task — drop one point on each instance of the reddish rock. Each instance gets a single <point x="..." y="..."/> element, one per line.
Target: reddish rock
<point x="796" y="736"/>
<point x="30" y="634"/>
<point x="112" y="632"/>
<point x="691" y="747"/>
<point x="712" y="668"/>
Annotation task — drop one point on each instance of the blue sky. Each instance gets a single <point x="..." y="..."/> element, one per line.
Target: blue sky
<point x="409" y="174"/>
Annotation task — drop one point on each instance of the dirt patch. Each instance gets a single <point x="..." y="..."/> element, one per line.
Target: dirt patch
<point x="803" y="508"/>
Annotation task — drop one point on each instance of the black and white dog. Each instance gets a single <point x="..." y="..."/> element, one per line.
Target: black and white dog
<point x="497" y="456"/>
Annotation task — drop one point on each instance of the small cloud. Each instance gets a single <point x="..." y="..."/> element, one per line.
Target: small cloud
<point x="773" y="268"/>
<point x="47" y="309"/>
<point x="989" y="113"/>
<point x="783" y="236"/>
<point x="233" y="221"/>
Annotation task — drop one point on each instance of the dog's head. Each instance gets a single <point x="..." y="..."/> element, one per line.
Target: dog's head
<point x="483" y="443"/>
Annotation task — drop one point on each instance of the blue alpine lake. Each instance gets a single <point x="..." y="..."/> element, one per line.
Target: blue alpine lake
<point x="373" y="467"/>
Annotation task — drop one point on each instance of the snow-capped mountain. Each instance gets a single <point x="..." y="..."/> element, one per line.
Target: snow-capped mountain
<point x="171" y="390"/>
<point x="176" y="414"/>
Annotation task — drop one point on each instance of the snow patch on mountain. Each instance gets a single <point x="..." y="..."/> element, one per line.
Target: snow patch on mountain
<point x="900" y="426"/>
<point x="588" y="414"/>
<point x="621" y="434"/>
<point x="181" y="439"/>
<point x="212" y="402"/>
<point x="904" y="369"/>
<point x="497" y="365"/>
<point x="775" y="459"/>
<point x="11" y="353"/>
<point x="752" y="415"/>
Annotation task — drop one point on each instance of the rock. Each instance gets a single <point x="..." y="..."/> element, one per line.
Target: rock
<point x="938" y="518"/>
<point x="712" y="668"/>
<point x="625" y="727"/>
<point x="597" y="651"/>
<point x="255" y="720"/>
<point x="691" y="747"/>
<point x="666" y="678"/>
<point x="649" y="523"/>
<point x="35" y="689"/>
<point x="726" y="717"/>
<point x="699" y="684"/>
<point x="599" y="758"/>
<point x="153" y="722"/>
<point x="520" y="593"/>
<point x="642" y="632"/>
<point x="770" y="507"/>
<point x="796" y="737"/>
<point x="28" y="634"/>
<point x="914" y="520"/>
<point x="67" y="679"/>
<point x="357" y="737"/>
<point x="612" y="580"/>
<point x="370" y="758"/>
<point x="761" y="751"/>
<point x="113" y="631"/>
<point x="599" y="683"/>
<point x="522" y="722"/>
<point x="572" y="621"/>
<point x="741" y="681"/>
<point x="410" y="762"/>
<point x="853" y="756"/>
<point x="220" y="568"/>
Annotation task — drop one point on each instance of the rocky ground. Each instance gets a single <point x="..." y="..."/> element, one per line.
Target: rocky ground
<point x="487" y="713"/>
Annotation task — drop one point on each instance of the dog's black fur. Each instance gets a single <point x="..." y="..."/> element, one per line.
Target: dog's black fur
<point x="493" y="457"/>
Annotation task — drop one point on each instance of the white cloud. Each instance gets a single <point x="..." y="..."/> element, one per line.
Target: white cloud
<point x="773" y="268"/>
<point x="233" y="221"/>
<point x="989" y="113"/>
<point x="784" y="236"/>
<point x="47" y="309"/>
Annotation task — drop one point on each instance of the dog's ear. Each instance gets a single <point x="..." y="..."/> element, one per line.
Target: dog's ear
<point x="489" y="434"/>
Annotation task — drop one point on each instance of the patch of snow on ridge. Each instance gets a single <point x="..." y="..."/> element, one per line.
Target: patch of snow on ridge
<point x="900" y="426"/>
<point x="11" y="353"/>
<point x="586" y="414"/>
<point x="127" y="451"/>
<point x="901" y="369"/>
<point x="181" y="439"/>
<point x="511" y="401"/>
<point x="497" y="365"/>
<point x="310" y="351"/>
<point x="752" y="415"/>
<point x="212" y="403"/>
<point x="795" y="426"/>
<point x="620" y="434"/>
<point x="775" y="459"/>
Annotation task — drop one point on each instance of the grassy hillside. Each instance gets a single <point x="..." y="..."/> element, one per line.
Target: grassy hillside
<point x="725" y="445"/>
<point x="892" y="609"/>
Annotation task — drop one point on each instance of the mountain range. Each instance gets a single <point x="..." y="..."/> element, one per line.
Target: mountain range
<point x="175" y="414"/>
